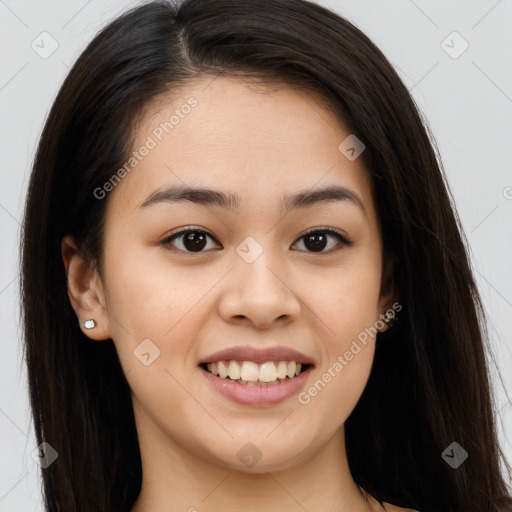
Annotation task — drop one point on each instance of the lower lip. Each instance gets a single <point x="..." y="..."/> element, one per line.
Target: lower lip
<point x="257" y="395"/>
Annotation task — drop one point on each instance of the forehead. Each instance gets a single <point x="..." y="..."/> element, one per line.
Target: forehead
<point x="261" y="142"/>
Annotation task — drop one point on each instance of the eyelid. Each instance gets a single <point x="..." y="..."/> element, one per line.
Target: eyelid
<point x="328" y="229"/>
<point x="183" y="230"/>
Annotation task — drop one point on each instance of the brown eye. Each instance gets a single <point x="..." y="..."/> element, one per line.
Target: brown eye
<point x="317" y="239"/>
<point x="193" y="240"/>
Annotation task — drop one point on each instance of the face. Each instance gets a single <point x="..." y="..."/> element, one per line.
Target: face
<point x="249" y="276"/>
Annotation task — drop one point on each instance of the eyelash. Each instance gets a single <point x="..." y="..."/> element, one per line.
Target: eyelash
<point x="331" y="231"/>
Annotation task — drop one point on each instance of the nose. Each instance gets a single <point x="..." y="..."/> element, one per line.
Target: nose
<point x="260" y="293"/>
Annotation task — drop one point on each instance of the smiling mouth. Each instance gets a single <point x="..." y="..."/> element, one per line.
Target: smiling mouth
<point x="248" y="373"/>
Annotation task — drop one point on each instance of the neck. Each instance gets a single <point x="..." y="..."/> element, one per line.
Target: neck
<point x="175" y="480"/>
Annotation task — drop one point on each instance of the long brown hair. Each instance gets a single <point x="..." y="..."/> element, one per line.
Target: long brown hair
<point x="429" y="384"/>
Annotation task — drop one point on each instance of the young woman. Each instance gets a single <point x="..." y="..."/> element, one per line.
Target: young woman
<point x="244" y="284"/>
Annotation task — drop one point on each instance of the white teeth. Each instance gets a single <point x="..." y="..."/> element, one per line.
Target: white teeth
<point x="250" y="373"/>
<point x="234" y="370"/>
<point x="268" y="372"/>
<point x="281" y="370"/>
<point x="214" y="368"/>
<point x="223" y="370"/>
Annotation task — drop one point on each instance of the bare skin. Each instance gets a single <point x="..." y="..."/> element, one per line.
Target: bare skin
<point x="261" y="146"/>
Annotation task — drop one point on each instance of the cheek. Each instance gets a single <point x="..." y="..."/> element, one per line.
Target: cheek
<point x="152" y="321"/>
<point x="347" y="299"/>
<point x="347" y="307"/>
<point x="342" y="377"/>
<point x="150" y="300"/>
<point x="147" y="291"/>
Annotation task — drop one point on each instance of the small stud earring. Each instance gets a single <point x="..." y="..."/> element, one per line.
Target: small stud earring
<point x="389" y="318"/>
<point x="89" y="324"/>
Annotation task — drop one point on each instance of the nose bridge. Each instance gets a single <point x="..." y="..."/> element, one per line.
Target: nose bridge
<point x="258" y="265"/>
<point x="258" y="291"/>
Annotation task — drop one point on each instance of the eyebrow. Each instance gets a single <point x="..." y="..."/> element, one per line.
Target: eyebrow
<point x="231" y="202"/>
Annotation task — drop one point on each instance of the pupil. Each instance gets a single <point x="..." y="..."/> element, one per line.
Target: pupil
<point x="194" y="241"/>
<point x="314" y="245"/>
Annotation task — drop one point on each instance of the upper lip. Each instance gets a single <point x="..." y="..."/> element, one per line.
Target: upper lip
<point x="257" y="355"/>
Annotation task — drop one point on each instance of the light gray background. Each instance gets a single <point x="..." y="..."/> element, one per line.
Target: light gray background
<point x="467" y="101"/>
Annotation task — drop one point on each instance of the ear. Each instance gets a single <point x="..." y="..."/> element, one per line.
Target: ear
<point x="389" y="293"/>
<point x="85" y="291"/>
